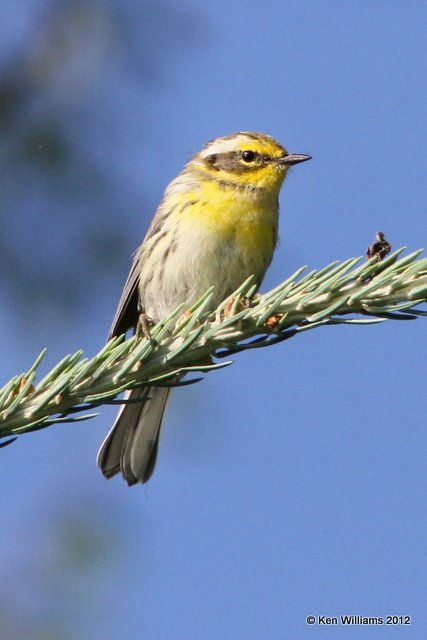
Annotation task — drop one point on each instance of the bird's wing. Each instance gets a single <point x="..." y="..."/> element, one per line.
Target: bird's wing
<point x="127" y="311"/>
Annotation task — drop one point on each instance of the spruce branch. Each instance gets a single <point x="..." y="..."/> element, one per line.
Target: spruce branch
<point x="350" y="292"/>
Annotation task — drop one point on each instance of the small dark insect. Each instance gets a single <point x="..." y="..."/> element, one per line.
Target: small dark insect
<point x="380" y="248"/>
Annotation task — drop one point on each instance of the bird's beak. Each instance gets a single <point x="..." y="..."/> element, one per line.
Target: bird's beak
<point x="293" y="158"/>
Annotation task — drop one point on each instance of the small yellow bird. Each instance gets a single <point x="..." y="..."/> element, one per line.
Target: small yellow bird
<point x="216" y="225"/>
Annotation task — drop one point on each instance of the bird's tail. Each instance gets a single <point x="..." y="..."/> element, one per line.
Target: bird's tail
<point x="132" y="443"/>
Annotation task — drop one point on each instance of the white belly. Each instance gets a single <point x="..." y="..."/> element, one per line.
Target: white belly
<point x="185" y="267"/>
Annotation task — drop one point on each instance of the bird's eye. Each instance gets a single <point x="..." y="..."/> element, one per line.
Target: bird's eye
<point x="248" y="156"/>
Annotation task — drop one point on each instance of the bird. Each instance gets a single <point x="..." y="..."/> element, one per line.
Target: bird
<point x="216" y="225"/>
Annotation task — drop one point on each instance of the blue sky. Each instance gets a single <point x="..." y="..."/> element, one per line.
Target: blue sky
<point x="294" y="482"/>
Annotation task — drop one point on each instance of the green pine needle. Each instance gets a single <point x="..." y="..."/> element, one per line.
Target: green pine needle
<point x="351" y="292"/>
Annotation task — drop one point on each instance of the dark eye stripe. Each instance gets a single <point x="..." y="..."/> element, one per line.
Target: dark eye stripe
<point x="234" y="162"/>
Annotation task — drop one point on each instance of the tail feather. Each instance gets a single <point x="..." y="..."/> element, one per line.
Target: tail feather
<point x="132" y="443"/>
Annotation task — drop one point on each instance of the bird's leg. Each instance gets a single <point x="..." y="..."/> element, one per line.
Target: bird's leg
<point x="143" y="327"/>
<point x="234" y="306"/>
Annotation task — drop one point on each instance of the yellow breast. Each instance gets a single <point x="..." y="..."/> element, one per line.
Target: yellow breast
<point x="245" y="216"/>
